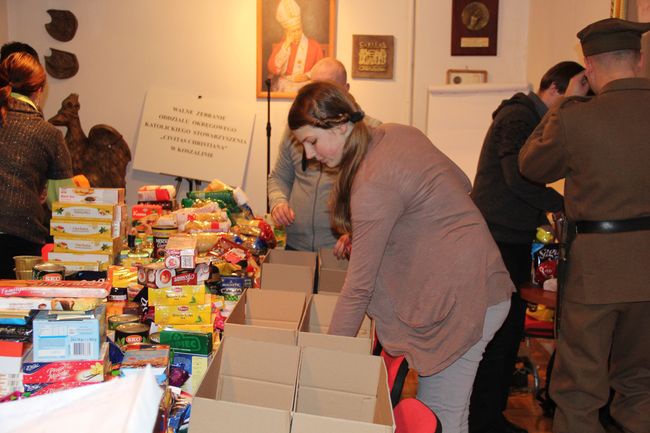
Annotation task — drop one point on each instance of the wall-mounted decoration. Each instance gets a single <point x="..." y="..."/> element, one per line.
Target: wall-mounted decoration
<point x="61" y="64"/>
<point x="292" y="35"/>
<point x="618" y="9"/>
<point x="466" y="76"/>
<point x="372" y="56"/>
<point x="102" y="156"/>
<point x="474" y="26"/>
<point x="63" y="25"/>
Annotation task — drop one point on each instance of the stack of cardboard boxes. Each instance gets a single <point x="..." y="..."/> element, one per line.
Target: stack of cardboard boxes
<point x="277" y="370"/>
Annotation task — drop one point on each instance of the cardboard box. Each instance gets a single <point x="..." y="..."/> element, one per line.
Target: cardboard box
<point x="11" y="356"/>
<point x="349" y="389"/>
<point x="266" y="315"/>
<point x="331" y="271"/>
<point x="316" y="321"/>
<point x="249" y="372"/>
<point x="289" y="271"/>
<point x="237" y="418"/>
<point x="102" y="261"/>
<point x="92" y="195"/>
<point x="68" y="335"/>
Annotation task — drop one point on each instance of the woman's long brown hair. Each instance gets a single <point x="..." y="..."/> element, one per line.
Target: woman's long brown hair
<point x="20" y="73"/>
<point x="325" y="104"/>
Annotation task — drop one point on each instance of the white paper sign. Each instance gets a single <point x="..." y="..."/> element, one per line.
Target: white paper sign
<point x="197" y="138"/>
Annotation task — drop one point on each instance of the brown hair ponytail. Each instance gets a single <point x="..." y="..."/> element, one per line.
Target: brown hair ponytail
<point x="325" y="104"/>
<point x="20" y="73"/>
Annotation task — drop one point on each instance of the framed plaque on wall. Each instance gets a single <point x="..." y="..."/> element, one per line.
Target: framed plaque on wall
<point x="372" y="56"/>
<point x="474" y="26"/>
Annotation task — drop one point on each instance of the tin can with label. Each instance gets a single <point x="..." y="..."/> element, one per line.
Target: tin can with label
<point x="160" y="237"/>
<point x="131" y="333"/>
<point x="48" y="272"/>
<point x="120" y="319"/>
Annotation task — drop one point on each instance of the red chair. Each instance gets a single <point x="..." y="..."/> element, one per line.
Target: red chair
<point x="413" y="416"/>
<point x="397" y="369"/>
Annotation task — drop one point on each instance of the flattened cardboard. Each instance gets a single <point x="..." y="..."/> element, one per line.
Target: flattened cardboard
<point x="237" y="417"/>
<point x="316" y="322"/>
<point x="267" y="315"/>
<point x="250" y="372"/>
<point x="344" y="387"/>
<point x="289" y="271"/>
<point x="331" y="271"/>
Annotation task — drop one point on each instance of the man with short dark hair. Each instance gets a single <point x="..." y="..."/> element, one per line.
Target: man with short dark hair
<point x="17" y="47"/>
<point x="600" y="146"/>
<point x="513" y="208"/>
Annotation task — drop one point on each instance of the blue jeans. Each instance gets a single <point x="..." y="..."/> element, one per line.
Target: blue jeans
<point x="447" y="393"/>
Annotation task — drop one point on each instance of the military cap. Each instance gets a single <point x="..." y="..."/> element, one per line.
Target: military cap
<point x="611" y="34"/>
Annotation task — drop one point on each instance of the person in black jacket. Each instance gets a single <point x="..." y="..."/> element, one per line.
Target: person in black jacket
<point x="513" y="208"/>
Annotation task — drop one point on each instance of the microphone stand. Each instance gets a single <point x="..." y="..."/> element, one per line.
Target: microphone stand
<point x="268" y="139"/>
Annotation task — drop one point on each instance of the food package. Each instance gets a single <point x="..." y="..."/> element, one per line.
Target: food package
<point x="156" y="193"/>
<point x="84" y="229"/>
<point x="75" y="211"/>
<point x="183" y="315"/>
<point x="91" y="195"/>
<point x="180" y="252"/>
<point x="178" y="295"/>
<point x="545" y="261"/>
<point x="61" y="304"/>
<point x="55" y="289"/>
<point x="66" y="371"/>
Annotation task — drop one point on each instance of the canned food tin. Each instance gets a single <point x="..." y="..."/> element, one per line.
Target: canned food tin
<point x="48" y="272"/>
<point x="131" y="333"/>
<point x="120" y="319"/>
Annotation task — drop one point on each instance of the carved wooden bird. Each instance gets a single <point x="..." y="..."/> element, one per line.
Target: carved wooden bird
<point x="102" y="156"/>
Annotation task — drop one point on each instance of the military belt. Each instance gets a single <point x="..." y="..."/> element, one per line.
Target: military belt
<point x="614" y="226"/>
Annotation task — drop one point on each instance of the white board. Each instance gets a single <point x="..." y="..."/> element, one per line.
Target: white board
<point x="181" y="134"/>
<point x="459" y="116"/>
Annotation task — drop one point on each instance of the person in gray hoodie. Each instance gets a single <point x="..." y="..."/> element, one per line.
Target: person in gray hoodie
<point x="513" y="208"/>
<point x="299" y="189"/>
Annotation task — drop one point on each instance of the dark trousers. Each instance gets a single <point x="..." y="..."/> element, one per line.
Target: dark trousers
<point x="492" y="383"/>
<point x="11" y="246"/>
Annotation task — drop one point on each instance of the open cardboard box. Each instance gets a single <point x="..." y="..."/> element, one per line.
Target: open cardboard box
<point x="331" y="271"/>
<point x="341" y="392"/>
<point x="247" y="372"/>
<point x="289" y="270"/>
<point x="267" y="315"/>
<point x="316" y="321"/>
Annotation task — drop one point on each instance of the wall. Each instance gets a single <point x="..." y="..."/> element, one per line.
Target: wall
<point x="552" y="29"/>
<point x="208" y="47"/>
<point x="433" y="48"/>
<point x="205" y="47"/>
<point x="3" y="20"/>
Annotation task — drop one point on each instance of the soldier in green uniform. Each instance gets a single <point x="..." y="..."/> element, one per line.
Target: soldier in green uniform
<point x="601" y="147"/>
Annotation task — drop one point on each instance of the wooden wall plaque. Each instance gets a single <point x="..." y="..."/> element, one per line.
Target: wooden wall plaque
<point x="372" y="56"/>
<point x="474" y="27"/>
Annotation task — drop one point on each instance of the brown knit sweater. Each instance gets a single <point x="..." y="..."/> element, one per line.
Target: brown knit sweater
<point x="31" y="151"/>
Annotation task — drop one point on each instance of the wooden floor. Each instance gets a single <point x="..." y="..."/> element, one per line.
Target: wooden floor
<point x="523" y="409"/>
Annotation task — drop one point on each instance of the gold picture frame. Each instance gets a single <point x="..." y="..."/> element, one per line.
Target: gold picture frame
<point x="466" y="76"/>
<point x="276" y="21"/>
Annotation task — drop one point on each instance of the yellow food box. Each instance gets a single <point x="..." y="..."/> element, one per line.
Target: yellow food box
<point x="103" y="212"/>
<point x="177" y="295"/>
<point x="182" y="314"/>
<point x="87" y="245"/>
<point x="91" y="195"/>
<point x="84" y="229"/>
<point x="84" y="262"/>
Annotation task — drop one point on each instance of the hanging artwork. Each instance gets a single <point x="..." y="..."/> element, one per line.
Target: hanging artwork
<point x="63" y="25"/>
<point x="474" y="26"/>
<point x="292" y="35"/>
<point x="372" y="56"/>
<point x="61" y="64"/>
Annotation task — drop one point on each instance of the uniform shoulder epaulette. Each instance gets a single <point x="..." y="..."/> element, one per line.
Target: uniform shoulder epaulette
<point x="574" y="99"/>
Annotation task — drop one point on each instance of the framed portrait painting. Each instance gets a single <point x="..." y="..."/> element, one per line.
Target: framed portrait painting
<point x="292" y="35"/>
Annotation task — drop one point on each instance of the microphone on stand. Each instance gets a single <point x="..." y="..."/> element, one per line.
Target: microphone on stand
<point x="268" y="139"/>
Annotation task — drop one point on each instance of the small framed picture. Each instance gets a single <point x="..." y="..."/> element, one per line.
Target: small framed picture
<point x="466" y="76"/>
<point x="474" y="26"/>
<point x="372" y="56"/>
